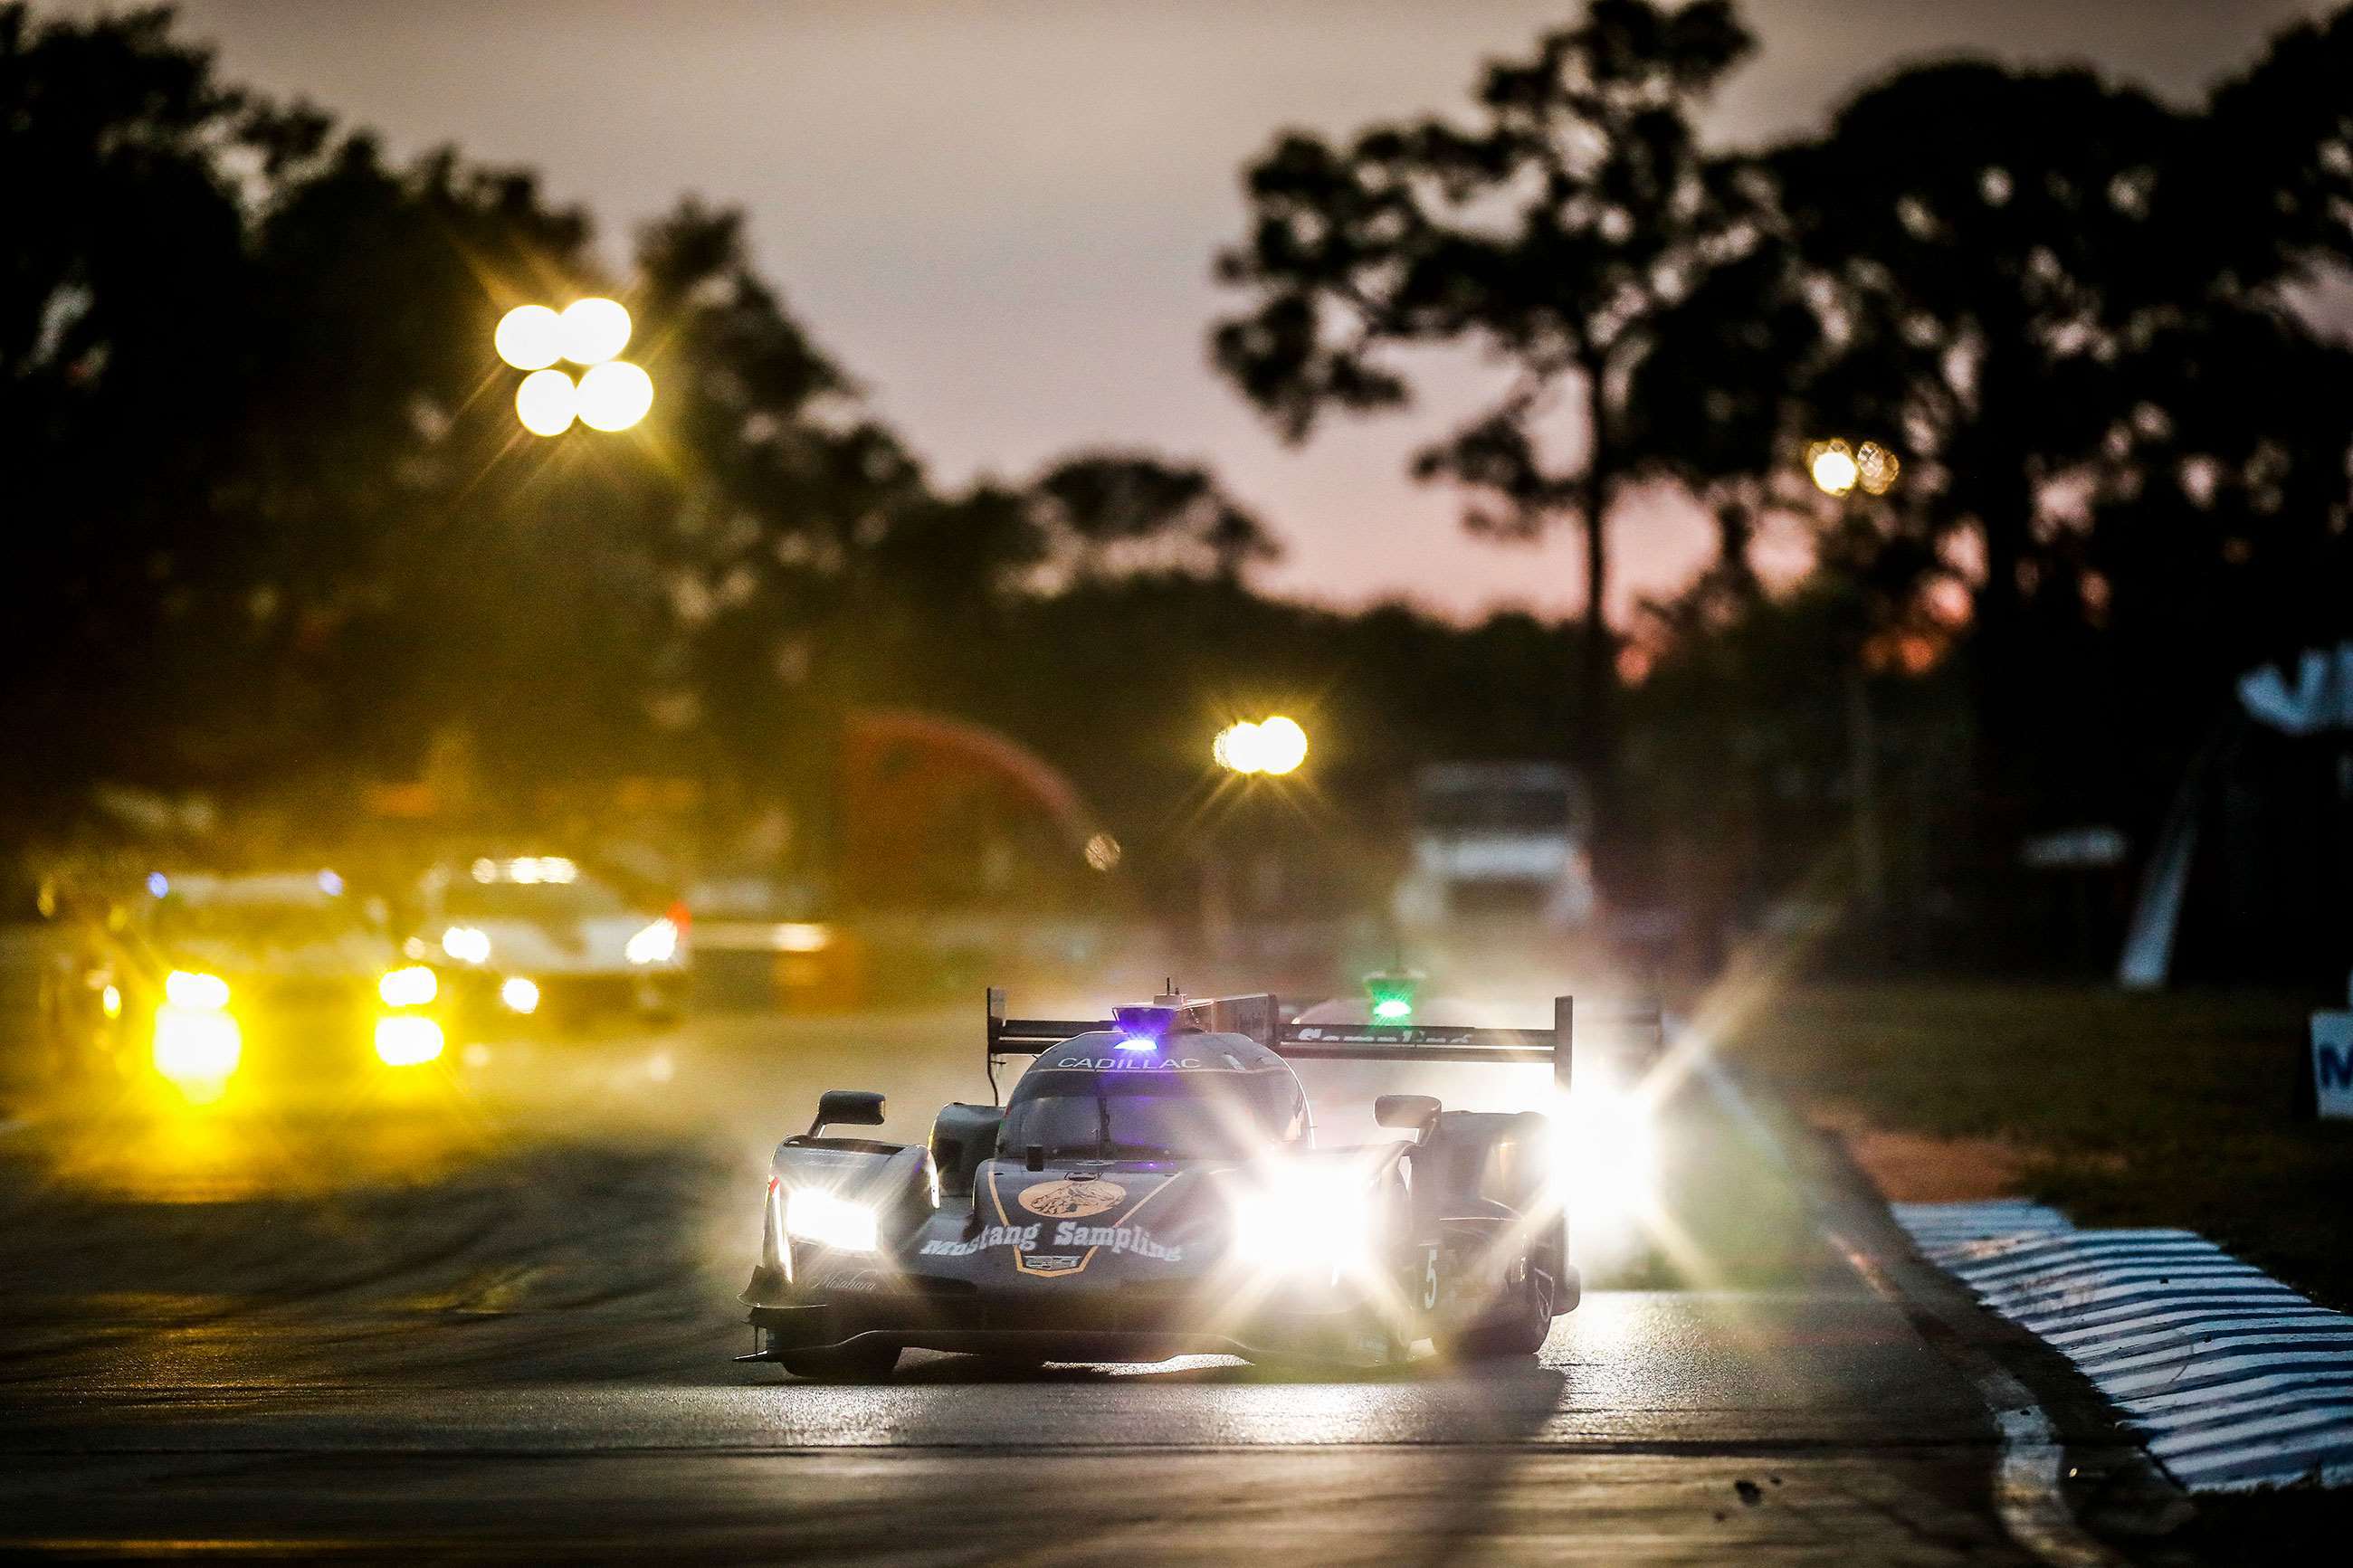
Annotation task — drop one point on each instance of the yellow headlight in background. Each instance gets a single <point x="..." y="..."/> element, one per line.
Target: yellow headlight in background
<point x="195" y="1046"/>
<point x="407" y="1042"/>
<point x="197" y="991"/>
<point x="520" y="993"/>
<point x="812" y="1214"/>
<point x="411" y="987"/>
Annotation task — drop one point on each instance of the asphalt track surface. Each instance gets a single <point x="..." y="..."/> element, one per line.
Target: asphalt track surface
<point x="494" y="1318"/>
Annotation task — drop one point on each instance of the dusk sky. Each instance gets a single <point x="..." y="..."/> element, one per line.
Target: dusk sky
<point x="1000" y="216"/>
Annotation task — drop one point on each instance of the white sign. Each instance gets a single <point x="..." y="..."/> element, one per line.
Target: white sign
<point x="2332" y="1062"/>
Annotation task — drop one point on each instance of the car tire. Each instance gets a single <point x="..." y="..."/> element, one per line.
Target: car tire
<point x="852" y="1362"/>
<point x="1517" y="1328"/>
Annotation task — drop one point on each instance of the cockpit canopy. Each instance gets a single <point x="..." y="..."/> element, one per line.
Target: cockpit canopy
<point x="1095" y="1101"/>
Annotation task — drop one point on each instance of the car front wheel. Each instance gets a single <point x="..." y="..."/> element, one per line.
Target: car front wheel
<point x="1517" y="1325"/>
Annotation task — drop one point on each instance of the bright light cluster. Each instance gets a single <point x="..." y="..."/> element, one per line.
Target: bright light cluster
<point x="527" y="870"/>
<point x="1275" y="745"/>
<point x="199" y="992"/>
<point x="1838" y="469"/>
<point x="196" y="1047"/>
<point x="611" y="393"/>
<point x="658" y="943"/>
<point x="198" y="1043"/>
<point x="411" y="987"/>
<point x="408" y="1041"/>
<point x="814" y="1214"/>
<point x="466" y="944"/>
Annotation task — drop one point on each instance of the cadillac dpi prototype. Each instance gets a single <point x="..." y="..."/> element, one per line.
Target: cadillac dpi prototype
<point x="1152" y="1188"/>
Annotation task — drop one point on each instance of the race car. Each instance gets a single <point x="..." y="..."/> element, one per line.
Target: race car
<point x="261" y="978"/>
<point x="533" y="934"/>
<point x="1153" y="1187"/>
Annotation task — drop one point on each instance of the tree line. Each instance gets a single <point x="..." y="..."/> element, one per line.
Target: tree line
<point x="276" y="522"/>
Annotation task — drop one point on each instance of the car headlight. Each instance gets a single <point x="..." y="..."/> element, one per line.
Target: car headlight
<point x="408" y="1041"/>
<point x="196" y="1045"/>
<point x="411" y="987"/>
<point x="466" y="944"/>
<point x="814" y="1214"/>
<point x="1306" y="1219"/>
<point x="197" y="991"/>
<point x="1604" y="1151"/>
<point x="519" y="993"/>
<point x="658" y="943"/>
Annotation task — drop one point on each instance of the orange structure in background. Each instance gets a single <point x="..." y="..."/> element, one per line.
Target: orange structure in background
<point x="940" y="813"/>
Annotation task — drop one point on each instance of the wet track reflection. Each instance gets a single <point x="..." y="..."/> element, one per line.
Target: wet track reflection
<point x="498" y="1317"/>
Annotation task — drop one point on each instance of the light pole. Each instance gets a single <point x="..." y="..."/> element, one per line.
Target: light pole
<point x="1266" y="748"/>
<point x="611" y="393"/>
<point x="1839" y="470"/>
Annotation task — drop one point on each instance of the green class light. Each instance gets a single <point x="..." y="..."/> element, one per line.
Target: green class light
<point x="1392" y="992"/>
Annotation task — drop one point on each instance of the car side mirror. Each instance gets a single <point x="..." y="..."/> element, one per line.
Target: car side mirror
<point x="847" y="1108"/>
<point x="1414" y="1113"/>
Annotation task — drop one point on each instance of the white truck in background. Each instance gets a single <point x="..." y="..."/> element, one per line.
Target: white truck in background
<point x="1501" y="844"/>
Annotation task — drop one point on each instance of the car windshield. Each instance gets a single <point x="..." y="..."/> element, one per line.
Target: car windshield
<point x="257" y="923"/>
<point x="1155" y="1115"/>
<point x="577" y="900"/>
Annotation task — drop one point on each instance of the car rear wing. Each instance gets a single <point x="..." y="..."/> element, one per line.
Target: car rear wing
<point x="1634" y="1037"/>
<point x="1631" y="1040"/>
<point x="1555" y="1047"/>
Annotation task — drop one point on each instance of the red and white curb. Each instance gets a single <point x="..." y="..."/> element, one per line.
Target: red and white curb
<point x="2232" y="1379"/>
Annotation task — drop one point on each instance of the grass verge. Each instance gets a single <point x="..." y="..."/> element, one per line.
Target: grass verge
<point x="2173" y="1109"/>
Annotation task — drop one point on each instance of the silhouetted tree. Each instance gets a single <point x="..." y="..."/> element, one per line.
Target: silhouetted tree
<point x="122" y="286"/>
<point x="2279" y="164"/>
<point x="1718" y="405"/>
<point x="1105" y="513"/>
<point x="1555" y="234"/>
<point x="1996" y="248"/>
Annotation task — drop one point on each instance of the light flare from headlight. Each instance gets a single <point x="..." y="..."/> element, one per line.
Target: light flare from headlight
<point x="407" y="1042"/>
<point x="519" y="993"/>
<point x="196" y="1047"/>
<point x="1605" y="1152"/>
<point x="466" y="944"/>
<point x="1306" y="1219"/>
<point x="814" y="1214"/>
<point x="411" y="987"/>
<point x="658" y="943"/>
<point x="197" y="991"/>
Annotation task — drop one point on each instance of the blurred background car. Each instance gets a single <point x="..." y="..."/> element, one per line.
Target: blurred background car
<point x="201" y="980"/>
<point x="535" y="935"/>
